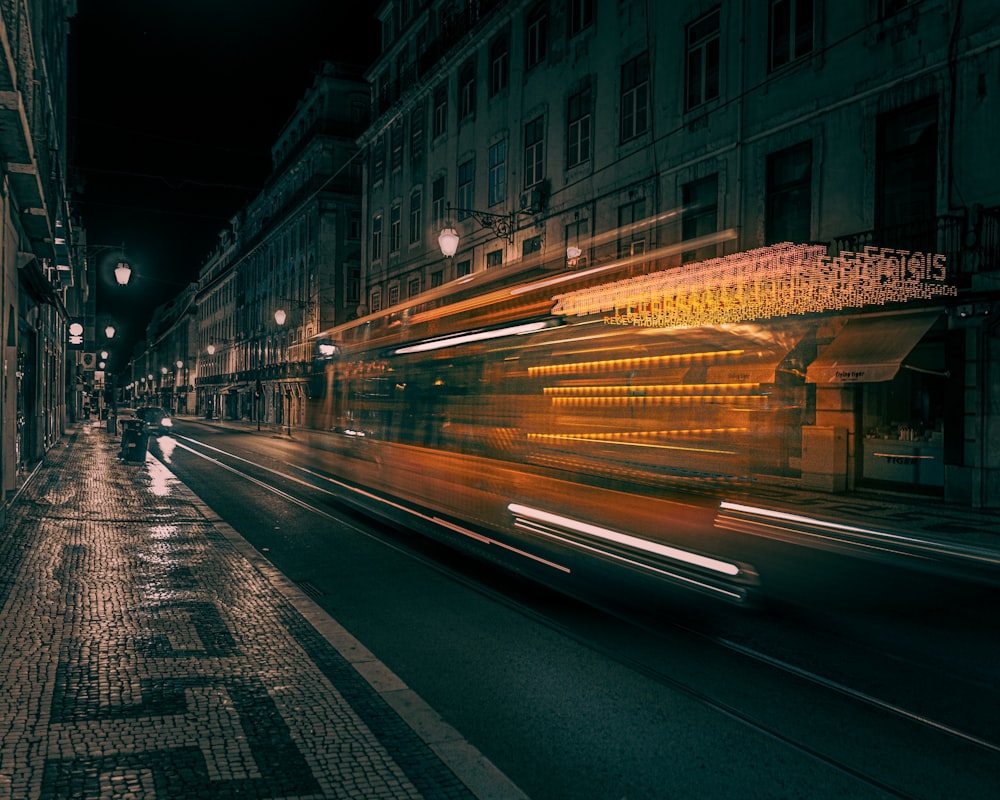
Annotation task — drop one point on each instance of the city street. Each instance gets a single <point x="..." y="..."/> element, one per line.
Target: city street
<point x="603" y="694"/>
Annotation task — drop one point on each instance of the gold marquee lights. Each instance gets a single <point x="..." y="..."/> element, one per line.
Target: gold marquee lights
<point x="779" y="280"/>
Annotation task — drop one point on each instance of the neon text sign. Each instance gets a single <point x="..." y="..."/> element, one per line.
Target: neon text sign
<point x="780" y="280"/>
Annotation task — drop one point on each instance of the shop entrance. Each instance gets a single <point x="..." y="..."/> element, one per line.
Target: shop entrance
<point x="902" y="421"/>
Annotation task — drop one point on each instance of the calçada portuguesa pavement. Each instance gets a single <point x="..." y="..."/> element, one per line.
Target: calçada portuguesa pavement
<point x="150" y="652"/>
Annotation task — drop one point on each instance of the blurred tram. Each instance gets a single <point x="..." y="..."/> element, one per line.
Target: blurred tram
<point x="562" y="443"/>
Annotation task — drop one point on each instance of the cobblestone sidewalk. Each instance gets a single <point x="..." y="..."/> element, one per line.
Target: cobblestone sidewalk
<point x="148" y="652"/>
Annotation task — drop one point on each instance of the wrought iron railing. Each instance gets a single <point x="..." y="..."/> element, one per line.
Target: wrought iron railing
<point x="970" y="247"/>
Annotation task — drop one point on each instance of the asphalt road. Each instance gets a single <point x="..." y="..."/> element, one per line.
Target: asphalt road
<point x="655" y="697"/>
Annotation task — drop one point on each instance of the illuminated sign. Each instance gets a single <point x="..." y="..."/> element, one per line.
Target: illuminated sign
<point x="75" y="332"/>
<point x="780" y="280"/>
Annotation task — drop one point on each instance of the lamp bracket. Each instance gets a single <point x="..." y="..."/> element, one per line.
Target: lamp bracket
<point x="502" y="225"/>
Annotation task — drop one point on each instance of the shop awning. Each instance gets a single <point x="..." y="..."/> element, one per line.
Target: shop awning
<point x="870" y="349"/>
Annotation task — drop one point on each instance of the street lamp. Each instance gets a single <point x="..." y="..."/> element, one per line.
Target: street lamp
<point x="110" y="331"/>
<point x="123" y="270"/>
<point x="502" y="225"/>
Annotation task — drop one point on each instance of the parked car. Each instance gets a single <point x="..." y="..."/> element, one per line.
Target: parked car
<point x="157" y="419"/>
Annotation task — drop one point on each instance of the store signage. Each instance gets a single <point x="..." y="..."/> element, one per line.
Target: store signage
<point x="781" y="280"/>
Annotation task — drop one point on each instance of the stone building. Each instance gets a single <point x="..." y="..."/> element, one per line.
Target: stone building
<point x="568" y="133"/>
<point x="290" y="263"/>
<point x="38" y="275"/>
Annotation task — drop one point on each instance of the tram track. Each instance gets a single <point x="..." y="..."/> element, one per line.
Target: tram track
<point x="649" y="648"/>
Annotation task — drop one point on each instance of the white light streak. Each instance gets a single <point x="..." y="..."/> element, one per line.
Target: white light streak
<point x="474" y="336"/>
<point x="684" y="556"/>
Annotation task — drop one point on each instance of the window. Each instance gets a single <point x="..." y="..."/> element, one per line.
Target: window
<point x="393" y="295"/>
<point x="791" y="31"/>
<point x="635" y="97"/>
<point x="396" y="145"/>
<point x="463" y="268"/>
<point x="578" y="236"/>
<point x="578" y="128"/>
<point x="702" y="80"/>
<point x="437" y="201"/>
<point x="536" y="36"/>
<point x="494" y="258"/>
<point x="531" y="245"/>
<point x="417" y="115"/>
<point x="499" y="63"/>
<point x="467" y="89"/>
<point x="437" y="278"/>
<point x="581" y="15"/>
<point x="886" y="8"/>
<point x="375" y="300"/>
<point x="354" y="225"/>
<point x="789" y="195"/>
<point x="413" y="286"/>
<point x="416" y="215"/>
<point x="498" y="172"/>
<point x="440" y="110"/>
<point x="632" y="235"/>
<point x="699" y="214"/>
<point x="395" y="214"/>
<point x="378" y="159"/>
<point x="354" y="284"/>
<point x="464" y="195"/>
<point x="534" y="152"/>
<point x="906" y="176"/>
<point x="376" y="237"/>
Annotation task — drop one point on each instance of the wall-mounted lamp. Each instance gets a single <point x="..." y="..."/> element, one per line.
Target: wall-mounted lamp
<point x="281" y="315"/>
<point x="502" y="225"/>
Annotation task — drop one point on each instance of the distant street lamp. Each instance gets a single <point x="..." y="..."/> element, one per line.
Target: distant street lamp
<point x="109" y="331"/>
<point x="122" y="273"/>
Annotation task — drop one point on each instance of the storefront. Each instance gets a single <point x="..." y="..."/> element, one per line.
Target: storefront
<point x="892" y="367"/>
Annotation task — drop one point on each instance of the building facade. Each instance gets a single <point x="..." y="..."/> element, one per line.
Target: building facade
<point x="563" y="135"/>
<point x="38" y="276"/>
<point x="289" y="265"/>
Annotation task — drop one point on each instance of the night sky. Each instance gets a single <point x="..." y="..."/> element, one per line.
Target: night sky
<point x="174" y="106"/>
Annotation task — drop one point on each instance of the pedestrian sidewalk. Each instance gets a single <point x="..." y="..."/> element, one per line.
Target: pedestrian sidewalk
<point x="150" y="652"/>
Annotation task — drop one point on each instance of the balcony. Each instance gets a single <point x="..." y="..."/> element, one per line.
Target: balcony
<point x="971" y="245"/>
